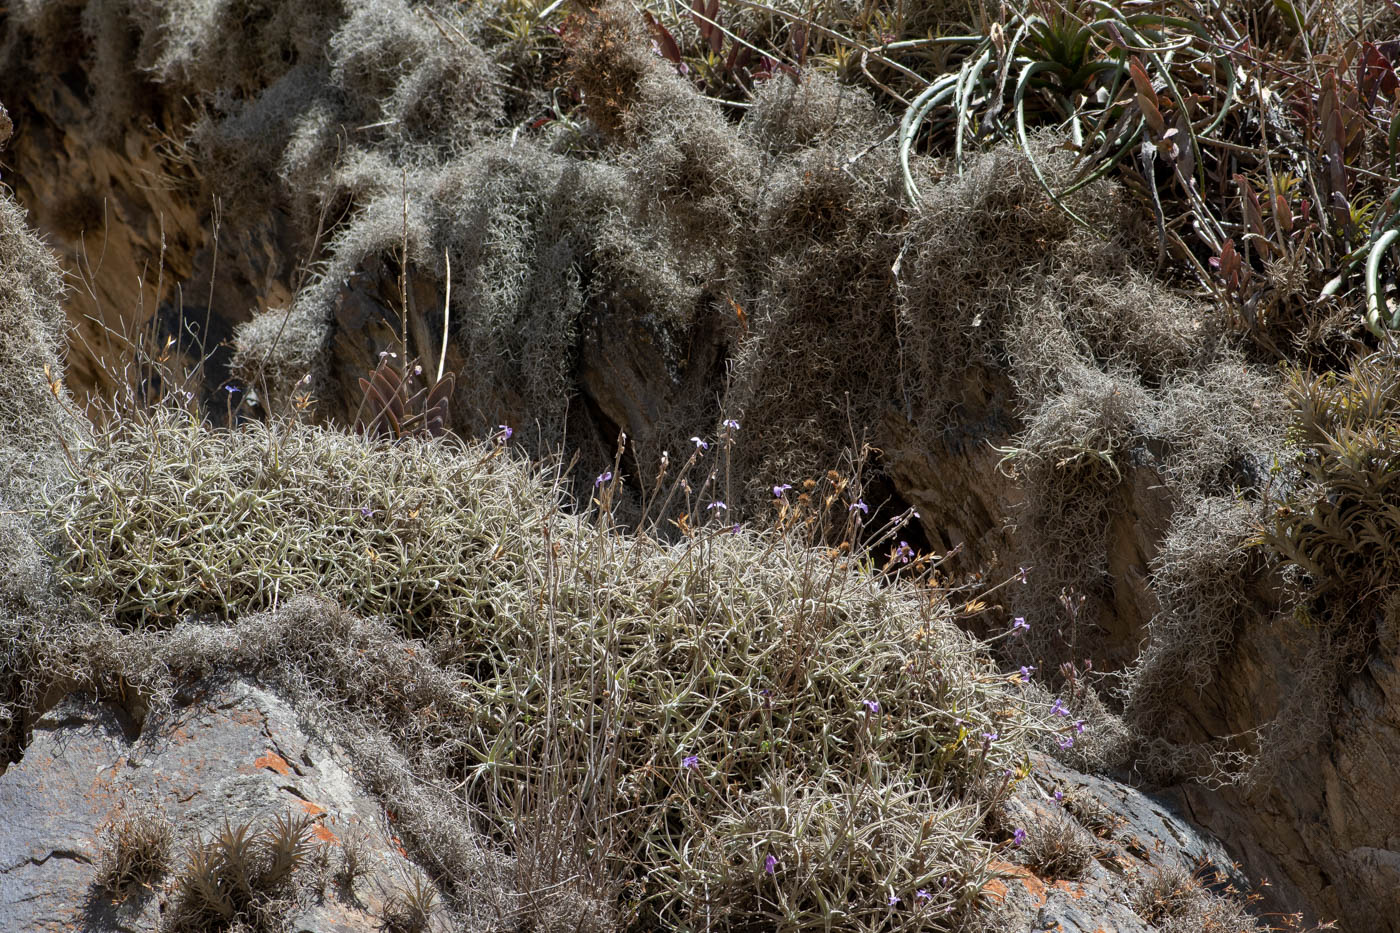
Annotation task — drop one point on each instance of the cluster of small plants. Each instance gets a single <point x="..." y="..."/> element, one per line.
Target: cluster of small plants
<point x="1056" y="848"/>
<point x="1258" y="138"/>
<point x="1175" y="900"/>
<point x="1332" y="526"/>
<point x="135" y="853"/>
<point x="758" y="727"/>
<point x="239" y="872"/>
<point x="410" y="908"/>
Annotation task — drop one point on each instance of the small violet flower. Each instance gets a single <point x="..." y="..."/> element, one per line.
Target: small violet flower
<point x="904" y="552"/>
<point x="230" y="389"/>
<point x="872" y="705"/>
<point x="894" y="899"/>
<point x="1059" y="795"/>
<point x="691" y="761"/>
<point x="1026" y="673"/>
<point x="1079" y="726"/>
<point x="602" y="478"/>
<point x="989" y="737"/>
<point x="858" y="504"/>
<point x="1019" y="624"/>
<point x="366" y="511"/>
<point x="1058" y="707"/>
<point x="1018" y="837"/>
<point x="506" y="431"/>
<point x="731" y="424"/>
<point x="717" y="504"/>
<point x="699" y="444"/>
<point x="923" y="895"/>
<point x="1021" y="575"/>
<point x="779" y="490"/>
<point x="1066" y="742"/>
<point x="770" y="865"/>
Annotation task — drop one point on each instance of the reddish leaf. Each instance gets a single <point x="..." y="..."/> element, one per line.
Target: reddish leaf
<point x="1253" y="213"/>
<point x="1375" y="74"/>
<point x="799" y="43"/>
<point x="1146" y="97"/>
<point x="698" y="13"/>
<point x="732" y="63"/>
<point x="435" y="414"/>
<point x="664" y="40"/>
<point x="1283" y="213"/>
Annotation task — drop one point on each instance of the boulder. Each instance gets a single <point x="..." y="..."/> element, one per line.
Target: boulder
<point x="1094" y="855"/>
<point x="231" y="754"/>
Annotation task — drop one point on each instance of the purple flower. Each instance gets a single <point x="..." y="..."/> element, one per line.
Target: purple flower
<point x="1018" y="837"/>
<point x="717" y="504"/>
<point x="1059" y="795"/>
<point x="1021" y="575"/>
<point x="506" y="431"/>
<point x="1019" y="624"/>
<point x="872" y="705"/>
<point x="989" y="737"/>
<point x="770" y="865"/>
<point x="691" y="761"/>
<point x="602" y="478"/>
<point x="731" y="424"/>
<point x="699" y="444"/>
<point x="923" y="895"/>
<point x="893" y="899"/>
<point x="1058" y="707"/>
<point x="1066" y="742"/>
<point x="366" y="511"/>
<point x="904" y="552"/>
<point x="779" y="490"/>
<point x="1079" y="726"/>
<point x="1026" y="673"/>
<point x="858" y="504"/>
<point x="230" y="389"/>
<point x="736" y="529"/>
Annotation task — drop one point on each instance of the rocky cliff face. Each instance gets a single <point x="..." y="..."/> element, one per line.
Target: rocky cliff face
<point x="232" y="755"/>
<point x="1040" y="403"/>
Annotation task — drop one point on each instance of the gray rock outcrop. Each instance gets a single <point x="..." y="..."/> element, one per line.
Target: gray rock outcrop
<point x="232" y="754"/>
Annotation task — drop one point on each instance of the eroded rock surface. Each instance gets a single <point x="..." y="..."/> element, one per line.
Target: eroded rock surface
<point x="1135" y="844"/>
<point x="233" y="753"/>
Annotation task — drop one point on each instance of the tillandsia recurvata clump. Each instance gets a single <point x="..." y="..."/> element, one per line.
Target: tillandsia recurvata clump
<point x="240" y="872"/>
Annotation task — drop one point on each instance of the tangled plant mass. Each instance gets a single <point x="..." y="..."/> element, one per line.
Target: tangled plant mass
<point x="1072" y="238"/>
<point x="708" y="704"/>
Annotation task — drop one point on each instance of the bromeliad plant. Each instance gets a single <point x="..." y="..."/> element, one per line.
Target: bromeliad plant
<point x="393" y="407"/>
<point x="1261" y="156"/>
<point x="1260" y="139"/>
